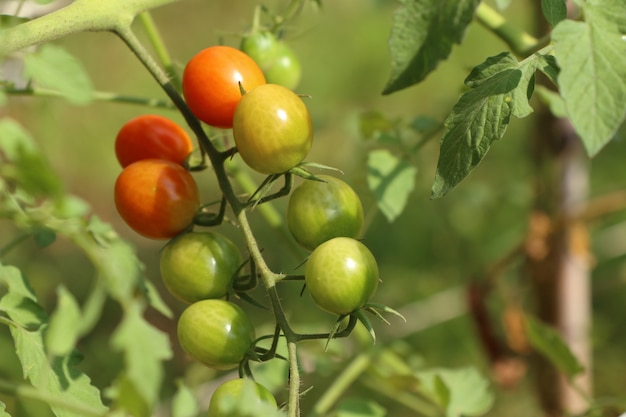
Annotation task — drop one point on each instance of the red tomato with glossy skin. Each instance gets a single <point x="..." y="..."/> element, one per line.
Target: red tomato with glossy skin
<point x="157" y="198"/>
<point x="241" y="394"/>
<point x="216" y="333"/>
<point x="211" y="83"/>
<point x="152" y="136"/>
<point x="319" y="211"/>
<point x="341" y="275"/>
<point x="197" y="266"/>
<point x="272" y="129"/>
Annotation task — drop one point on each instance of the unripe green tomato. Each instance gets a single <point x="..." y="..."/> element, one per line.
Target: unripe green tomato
<point x="341" y="275"/>
<point x="319" y="211"/>
<point x="272" y="129"/>
<point x="276" y="59"/>
<point x="196" y="266"/>
<point x="236" y="391"/>
<point x="286" y="69"/>
<point x="216" y="333"/>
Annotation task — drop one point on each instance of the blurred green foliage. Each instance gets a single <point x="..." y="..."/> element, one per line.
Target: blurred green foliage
<point x="433" y="245"/>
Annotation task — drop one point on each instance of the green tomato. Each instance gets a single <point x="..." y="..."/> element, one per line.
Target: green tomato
<point x="272" y="129"/>
<point x="341" y="275"/>
<point x="216" y="333"/>
<point x="276" y="59"/>
<point x="196" y="266"/>
<point x="233" y="397"/>
<point x="286" y="69"/>
<point x="319" y="211"/>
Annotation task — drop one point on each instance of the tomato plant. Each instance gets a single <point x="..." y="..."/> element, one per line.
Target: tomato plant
<point x="199" y="265"/>
<point x="341" y="275"/>
<point x="321" y="210"/>
<point x="151" y="136"/>
<point x="156" y="198"/>
<point x="240" y="393"/>
<point x="213" y="80"/>
<point x="272" y="129"/>
<point x="216" y="333"/>
<point x="275" y="58"/>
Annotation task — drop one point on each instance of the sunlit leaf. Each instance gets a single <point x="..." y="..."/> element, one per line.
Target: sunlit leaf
<point x="3" y="412"/>
<point x="460" y="392"/>
<point x="422" y="35"/>
<point x="391" y="180"/>
<point x="184" y="403"/>
<point x="65" y="324"/>
<point x="549" y="343"/>
<point x="592" y="57"/>
<point x="499" y="88"/>
<point x="58" y="377"/>
<point x="54" y="68"/>
<point x="554" y="10"/>
<point x="144" y="348"/>
<point x="611" y="10"/>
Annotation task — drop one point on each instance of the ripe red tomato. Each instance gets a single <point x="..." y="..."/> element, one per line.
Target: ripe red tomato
<point x="341" y="275"/>
<point x="319" y="211"/>
<point x="216" y="333"/>
<point x="151" y="136"/>
<point x="211" y="83"/>
<point x="272" y="129"/>
<point x="197" y="266"/>
<point x="156" y="198"/>
<point x="241" y="397"/>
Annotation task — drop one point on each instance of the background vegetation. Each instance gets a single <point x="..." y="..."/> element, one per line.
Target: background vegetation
<point x="428" y="255"/>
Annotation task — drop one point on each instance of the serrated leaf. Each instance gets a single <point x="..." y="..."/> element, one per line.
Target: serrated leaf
<point x="391" y="180"/>
<point x="144" y="348"/>
<point x="58" y="377"/>
<point x="422" y="35"/>
<point x="460" y="392"/>
<point x="548" y="66"/>
<point x="184" y="403"/>
<point x="592" y="58"/>
<point x="549" y="343"/>
<point x="155" y="300"/>
<point x="554" y="10"/>
<point x="359" y="407"/>
<point x="65" y="324"/>
<point x="20" y="303"/>
<point x="55" y="68"/>
<point x="500" y="88"/>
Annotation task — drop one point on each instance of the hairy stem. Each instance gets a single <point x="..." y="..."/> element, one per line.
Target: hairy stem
<point x="294" y="381"/>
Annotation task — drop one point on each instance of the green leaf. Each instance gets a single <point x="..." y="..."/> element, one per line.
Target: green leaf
<point x="423" y="34"/>
<point x="144" y="348"/>
<point x="553" y="100"/>
<point x="549" y="343"/>
<point x="44" y="236"/>
<point x="611" y="10"/>
<point x="460" y="392"/>
<point x="31" y="170"/>
<point x="548" y="66"/>
<point x="503" y="4"/>
<point x="592" y="57"/>
<point x="246" y="404"/>
<point x="373" y="123"/>
<point x="359" y="407"/>
<point x="54" y="68"/>
<point x="184" y="403"/>
<point x="554" y="10"/>
<point x="391" y="180"/>
<point x="3" y="412"/>
<point x="58" y="377"/>
<point x="500" y="88"/>
<point x="20" y="303"/>
<point x="65" y="324"/>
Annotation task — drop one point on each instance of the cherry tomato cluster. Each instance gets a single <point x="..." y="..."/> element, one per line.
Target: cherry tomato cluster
<point x="157" y="196"/>
<point x="154" y="194"/>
